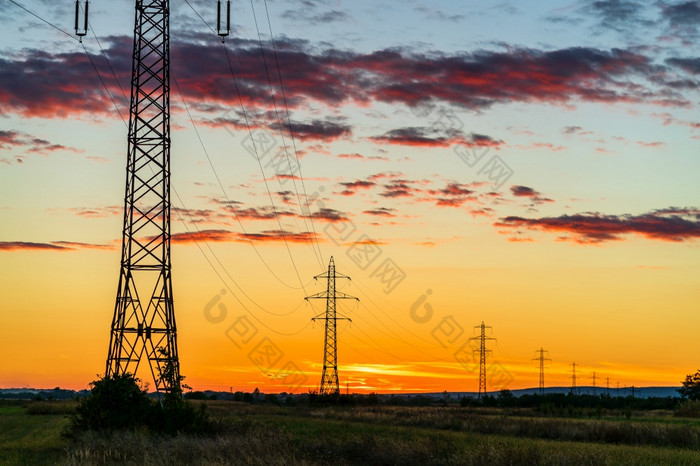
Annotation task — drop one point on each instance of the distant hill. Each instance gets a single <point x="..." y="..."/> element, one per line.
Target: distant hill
<point x="639" y="392"/>
<point x="43" y="393"/>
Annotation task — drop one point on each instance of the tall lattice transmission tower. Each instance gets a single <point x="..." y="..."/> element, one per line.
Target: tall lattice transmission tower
<point x="541" y="359"/>
<point x="573" y="378"/>
<point x="329" y="376"/>
<point x="482" y="339"/>
<point x="144" y="318"/>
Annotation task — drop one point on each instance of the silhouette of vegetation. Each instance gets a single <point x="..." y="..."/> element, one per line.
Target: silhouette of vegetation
<point x="691" y="387"/>
<point x="117" y="402"/>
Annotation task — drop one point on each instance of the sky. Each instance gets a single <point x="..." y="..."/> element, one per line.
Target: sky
<point x="529" y="165"/>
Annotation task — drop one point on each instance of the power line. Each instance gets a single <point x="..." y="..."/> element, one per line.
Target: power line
<point x="45" y="21"/>
<point x="262" y="171"/>
<point x="279" y="121"/>
<point x="247" y="122"/>
<point x="228" y="200"/>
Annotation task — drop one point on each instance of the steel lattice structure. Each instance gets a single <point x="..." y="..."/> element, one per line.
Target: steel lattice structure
<point x="541" y="359"/>
<point x="329" y="376"/>
<point x="482" y="338"/>
<point x="144" y="318"/>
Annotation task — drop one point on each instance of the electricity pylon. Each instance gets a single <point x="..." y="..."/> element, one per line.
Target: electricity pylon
<point x="482" y="355"/>
<point x="573" y="378"/>
<point x="329" y="376"/>
<point x="144" y="318"/>
<point x="594" y="386"/>
<point x="541" y="359"/>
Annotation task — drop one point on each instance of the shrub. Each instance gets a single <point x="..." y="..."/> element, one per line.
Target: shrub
<point x="117" y="403"/>
<point x="688" y="409"/>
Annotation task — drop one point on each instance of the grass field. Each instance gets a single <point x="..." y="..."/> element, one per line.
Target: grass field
<point x="31" y="433"/>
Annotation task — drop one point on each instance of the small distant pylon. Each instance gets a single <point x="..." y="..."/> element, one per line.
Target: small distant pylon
<point x="541" y="359"/>
<point x="594" y="386"/>
<point x="573" y="378"/>
<point x="329" y="376"/>
<point x="482" y="355"/>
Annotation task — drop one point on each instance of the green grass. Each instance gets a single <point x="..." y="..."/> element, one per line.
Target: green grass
<point x="30" y="439"/>
<point x="290" y="439"/>
<point x="266" y="434"/>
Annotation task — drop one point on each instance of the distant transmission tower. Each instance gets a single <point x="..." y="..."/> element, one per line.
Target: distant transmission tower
<point x="594" y="386"/>
<point x="541" y="359"/>
<point x="482" y="355"/>
<point x="329" y="376"/>
<point x="144" y="318"/>
<point x="573" y="378"/>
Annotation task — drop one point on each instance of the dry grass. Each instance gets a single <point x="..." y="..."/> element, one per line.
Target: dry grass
<point x="584" y="430"/>
<point x="256" y="434"/>
<point x="52" y="407"/>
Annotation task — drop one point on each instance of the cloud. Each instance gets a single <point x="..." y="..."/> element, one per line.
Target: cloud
<point x="689" y="65"/>
<point x="439" y="15"/>
<point x="682" y="19"/>
<point x="618" y="15"/>
<point x="452" y="195"/>
<point x="481" y="140"/>
<point x="100" y="212"/>
<point x="22" y="245"/>
<point x="357" y="156"/>
<point x="305" y="16"/>
<point x="541" y="145"/>
<point x="526" y="191"/>
<point x="399" y="188"/>
<point x="75" y="245"/>
<point x="323" y="130"/>
<point x="17" y="139"/>
<point x="572" y="129"/>
<point x="37" y="83"/>
<point x="329" y="215"/>
<point x="214" y="236"/>
<point x="672" y="224"/>
<point x="276" y="236"/>
<point x="220" y="235"/>
<point x="51" y="246"/>
<point x="381" y="212"/>
<point x="351" y="156"/>
<point x="262" y="213"/>
<point x="367" y="242"/>
<point x="523" y="191"/>
<point x="433" y="137"/>
<point x="286" y="196"/>
<point x="351" y="187"/>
